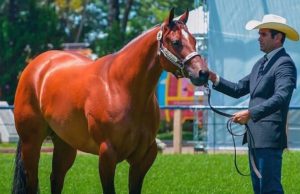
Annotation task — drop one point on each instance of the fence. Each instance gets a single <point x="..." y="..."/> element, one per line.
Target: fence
<point x="213" y="127"/>
<point x="214" y="132"/>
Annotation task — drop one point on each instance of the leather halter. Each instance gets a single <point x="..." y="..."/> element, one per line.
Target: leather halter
<point x="172" y="58"/>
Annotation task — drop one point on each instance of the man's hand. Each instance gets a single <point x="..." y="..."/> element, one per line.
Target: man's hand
<point x="212" y="76"/>
<point x="241" y="117"/>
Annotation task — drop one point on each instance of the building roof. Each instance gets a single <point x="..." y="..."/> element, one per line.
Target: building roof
<point x="198" y="21"/>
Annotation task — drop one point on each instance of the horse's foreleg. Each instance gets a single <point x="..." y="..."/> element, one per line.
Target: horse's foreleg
<point x="63" y="159"/>
<point x="107" y="167"/>
<point x="139" y="169"/>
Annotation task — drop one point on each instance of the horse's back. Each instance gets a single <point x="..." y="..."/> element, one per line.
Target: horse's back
<point x="50" y="60"/>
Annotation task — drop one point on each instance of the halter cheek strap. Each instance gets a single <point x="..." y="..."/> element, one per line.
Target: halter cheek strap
<point x="172" y="58"/>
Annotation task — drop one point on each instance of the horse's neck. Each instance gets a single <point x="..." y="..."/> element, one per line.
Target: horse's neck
<point x="137" y="64"/>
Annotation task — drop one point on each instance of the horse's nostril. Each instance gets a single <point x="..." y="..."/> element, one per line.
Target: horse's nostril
<point x="201" y="78"/>
<point x="203" y="75"/>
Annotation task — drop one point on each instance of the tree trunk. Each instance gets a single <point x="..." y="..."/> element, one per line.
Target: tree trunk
<point x="12" y="10"/>
<point x="79" y="32"/>
<point x="113" y="12"/>
<point x="126" y="13"/>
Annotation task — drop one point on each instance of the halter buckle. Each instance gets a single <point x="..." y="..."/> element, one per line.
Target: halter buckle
<point x="159" y="35"/>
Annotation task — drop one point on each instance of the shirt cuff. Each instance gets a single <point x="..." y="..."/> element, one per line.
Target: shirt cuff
<point x="216" y="83"/>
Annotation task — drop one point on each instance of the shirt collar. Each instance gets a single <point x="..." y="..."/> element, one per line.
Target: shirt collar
<point x="272" y="53"/>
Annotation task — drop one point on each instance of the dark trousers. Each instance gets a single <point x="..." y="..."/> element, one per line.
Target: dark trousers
<point x="268" y="162"/>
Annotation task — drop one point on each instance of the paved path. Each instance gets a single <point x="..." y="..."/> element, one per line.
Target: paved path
<point x="167" y="150"/>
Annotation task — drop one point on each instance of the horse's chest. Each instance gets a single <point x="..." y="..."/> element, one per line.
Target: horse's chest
<point x="137" y="125"/>
<point x="129" y="131"/>
<point x="136" y="132"/>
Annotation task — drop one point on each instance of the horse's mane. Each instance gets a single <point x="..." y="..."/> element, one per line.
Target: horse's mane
<point x="138" y="37"/>
<point x="174" y="22"/>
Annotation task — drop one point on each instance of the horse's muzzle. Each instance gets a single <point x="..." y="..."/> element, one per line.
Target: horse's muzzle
<point x="201" y="79"/>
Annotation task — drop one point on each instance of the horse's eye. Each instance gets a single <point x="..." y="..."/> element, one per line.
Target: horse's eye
<point x="176" y="43"/>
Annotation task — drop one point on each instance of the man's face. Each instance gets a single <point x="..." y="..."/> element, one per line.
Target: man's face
<point x="266" y="42"/>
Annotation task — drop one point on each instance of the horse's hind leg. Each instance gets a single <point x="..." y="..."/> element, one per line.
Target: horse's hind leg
<point x="63" y="158"/>
<point x="138" y="169"/>
<point x="32" y="130"/>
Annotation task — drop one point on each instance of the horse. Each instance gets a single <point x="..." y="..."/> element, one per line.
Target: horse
<point x="106" y="107"/>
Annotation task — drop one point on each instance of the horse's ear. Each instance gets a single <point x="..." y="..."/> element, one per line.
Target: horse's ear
<point x="170" y="18"/>
<point x="185" y="16"/>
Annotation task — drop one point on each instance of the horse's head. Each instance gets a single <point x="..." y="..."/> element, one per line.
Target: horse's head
<point x="177" y="48"/>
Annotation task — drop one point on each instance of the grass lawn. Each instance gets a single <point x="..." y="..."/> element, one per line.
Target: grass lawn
<point x="170" y="174"/>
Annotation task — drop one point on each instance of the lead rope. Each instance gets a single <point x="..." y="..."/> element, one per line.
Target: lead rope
<point x="229" y="129"/>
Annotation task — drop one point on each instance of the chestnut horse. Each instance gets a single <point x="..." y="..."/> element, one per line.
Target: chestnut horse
<point x="105" y="107"/>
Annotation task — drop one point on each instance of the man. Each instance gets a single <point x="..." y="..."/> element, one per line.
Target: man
<point x="270" y="85"/>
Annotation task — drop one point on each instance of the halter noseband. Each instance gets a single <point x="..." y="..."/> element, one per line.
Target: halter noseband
<point x="172" y="58"/>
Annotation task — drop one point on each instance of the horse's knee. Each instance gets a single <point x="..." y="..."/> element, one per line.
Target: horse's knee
<point x="139" y="168"/>
<point x="152" y="152"/>
<point x="146" y="160"/>
<point x="107" y="154"/>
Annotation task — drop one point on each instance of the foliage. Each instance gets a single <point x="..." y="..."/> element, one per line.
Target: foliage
<point x="75" y="5"/>
<point x="26" y="31"/>
<point x="77" y="17"/>
<point x="29" y="27"/>
<point x="144" y="14"/>
<point x="182" y="174"/>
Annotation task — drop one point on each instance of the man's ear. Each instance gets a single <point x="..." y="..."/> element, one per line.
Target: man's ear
<point x="278" y="37"/>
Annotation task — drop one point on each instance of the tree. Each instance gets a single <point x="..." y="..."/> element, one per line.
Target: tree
<point x="127" y="18"/>
<point x="72" y="14"/>
<point x="109" y="24"/>
<point x="27" y="28"/>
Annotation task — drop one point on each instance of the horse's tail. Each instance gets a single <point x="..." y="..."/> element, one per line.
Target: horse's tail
<point x="19" y="181"/>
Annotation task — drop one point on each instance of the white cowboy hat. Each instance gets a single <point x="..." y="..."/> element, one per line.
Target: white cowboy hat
<point x="274" y="22"/>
